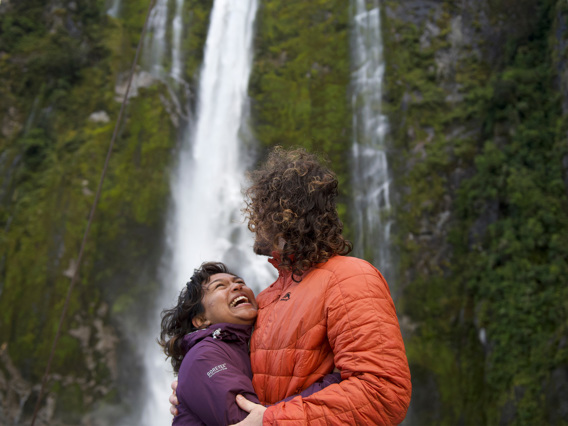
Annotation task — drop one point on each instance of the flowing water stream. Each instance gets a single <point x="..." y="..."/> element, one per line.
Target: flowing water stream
<point x="177" y="29"/>
<point x="205" y="222"/>
<point x="114" y="8"/>
<point x="370" y="173"/>
<point x="155" y="44"/>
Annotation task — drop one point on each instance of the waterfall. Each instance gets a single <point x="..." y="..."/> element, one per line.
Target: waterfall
<point x="155" y="43"/>
<point x="114" y="8"/>
<point x="205" y="222"/>
<point x="177" y="26"/>
<point x="371" y="182"/>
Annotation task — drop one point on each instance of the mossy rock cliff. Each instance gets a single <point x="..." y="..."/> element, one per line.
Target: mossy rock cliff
<point x="478" y="136"/>
<point x="477" y="98"/>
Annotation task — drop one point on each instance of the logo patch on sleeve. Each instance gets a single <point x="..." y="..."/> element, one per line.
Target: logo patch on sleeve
<point x="215" y="370"/>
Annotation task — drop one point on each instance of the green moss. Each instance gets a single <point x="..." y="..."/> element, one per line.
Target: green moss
<point x="198" y="24"/>
<point x="502" y="267"/>
<point x="50" y="171"/>
<point x="70" y="403"/>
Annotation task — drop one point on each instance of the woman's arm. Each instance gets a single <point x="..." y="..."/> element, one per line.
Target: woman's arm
<point x="256" y="411"/>
<point x="209" y="385"/>
<point x="328" y="379"/>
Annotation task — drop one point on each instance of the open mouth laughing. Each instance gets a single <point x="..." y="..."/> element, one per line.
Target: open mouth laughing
<point x="239" y="300"/>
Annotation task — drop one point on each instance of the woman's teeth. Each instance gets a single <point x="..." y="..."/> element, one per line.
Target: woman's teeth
<point x="237" y="300"/>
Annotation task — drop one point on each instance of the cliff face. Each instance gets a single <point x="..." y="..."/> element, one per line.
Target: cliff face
<point x="478" y="137"/>
<point x="62" y="68"/>
<point x="477" y="98"/>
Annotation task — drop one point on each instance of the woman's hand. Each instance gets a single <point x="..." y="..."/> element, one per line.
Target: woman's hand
<point x="173" y="399"/>
<point x="256" y="412"/>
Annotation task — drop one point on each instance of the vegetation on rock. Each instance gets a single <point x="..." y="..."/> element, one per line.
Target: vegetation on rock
<point x="477" y="99"/>
<point x="481" y="219"/>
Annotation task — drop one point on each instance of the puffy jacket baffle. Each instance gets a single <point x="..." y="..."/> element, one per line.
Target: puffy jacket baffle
<point x="339" y="315"/>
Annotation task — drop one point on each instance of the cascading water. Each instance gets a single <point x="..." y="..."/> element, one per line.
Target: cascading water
<point x="205" y="221"/>
<point x="157" y="47"/>
<point x="371" y="182"/>
<point x="155" y="43"/>
<point x="114" y="8"/>
<point x="177" y="26"/>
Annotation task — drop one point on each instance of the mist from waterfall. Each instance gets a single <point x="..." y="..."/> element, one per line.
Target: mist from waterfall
<point x="370" y="174"/>
<point x="205" y="221"/>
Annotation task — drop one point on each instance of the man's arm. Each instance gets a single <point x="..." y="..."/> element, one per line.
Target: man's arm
<point x="210" y="386"/>
<point x="364" y="334"/>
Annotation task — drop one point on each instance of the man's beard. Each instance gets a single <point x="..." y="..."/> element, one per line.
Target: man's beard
<point x="262" y="247"/>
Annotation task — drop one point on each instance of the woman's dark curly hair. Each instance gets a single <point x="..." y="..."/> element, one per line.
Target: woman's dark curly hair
<point x="178" y="321"/>
<point x="291" y="206"/>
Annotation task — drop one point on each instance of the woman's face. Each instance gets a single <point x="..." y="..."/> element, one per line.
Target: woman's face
<point x="227" y="299"/>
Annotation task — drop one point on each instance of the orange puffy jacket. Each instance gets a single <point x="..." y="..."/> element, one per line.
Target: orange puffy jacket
<point x="340" y="315"/>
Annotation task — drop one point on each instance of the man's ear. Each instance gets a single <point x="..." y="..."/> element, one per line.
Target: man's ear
<point x="200" y="321"/>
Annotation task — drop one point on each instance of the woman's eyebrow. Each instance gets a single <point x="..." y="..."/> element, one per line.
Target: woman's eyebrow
<point x="212" y="282"/>
<point x="235" y="278"/>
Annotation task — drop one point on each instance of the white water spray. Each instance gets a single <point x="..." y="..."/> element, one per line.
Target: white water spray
<point x="205" y="221"/>
<point x="371" y="182"/>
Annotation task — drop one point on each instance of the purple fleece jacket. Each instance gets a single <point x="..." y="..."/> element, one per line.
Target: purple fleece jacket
<point x="216" y="368"/>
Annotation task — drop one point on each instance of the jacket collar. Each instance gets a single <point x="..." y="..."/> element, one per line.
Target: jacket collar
<point x="275" y="261"/>
<point x="234" y="333"/>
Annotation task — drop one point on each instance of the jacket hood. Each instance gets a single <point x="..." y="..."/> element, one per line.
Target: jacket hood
<point x="224" y="331"/>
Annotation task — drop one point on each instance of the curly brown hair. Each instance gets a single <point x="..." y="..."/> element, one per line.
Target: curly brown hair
<point x="291" y="207"/>
<point x="178" y="321"/>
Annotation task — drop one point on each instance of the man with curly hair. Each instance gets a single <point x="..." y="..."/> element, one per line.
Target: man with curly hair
<point x="325" y="311"/>
<point x="291" y="209"/>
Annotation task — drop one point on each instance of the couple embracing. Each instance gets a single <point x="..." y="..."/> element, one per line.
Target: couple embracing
<point x="326" y="346"/>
